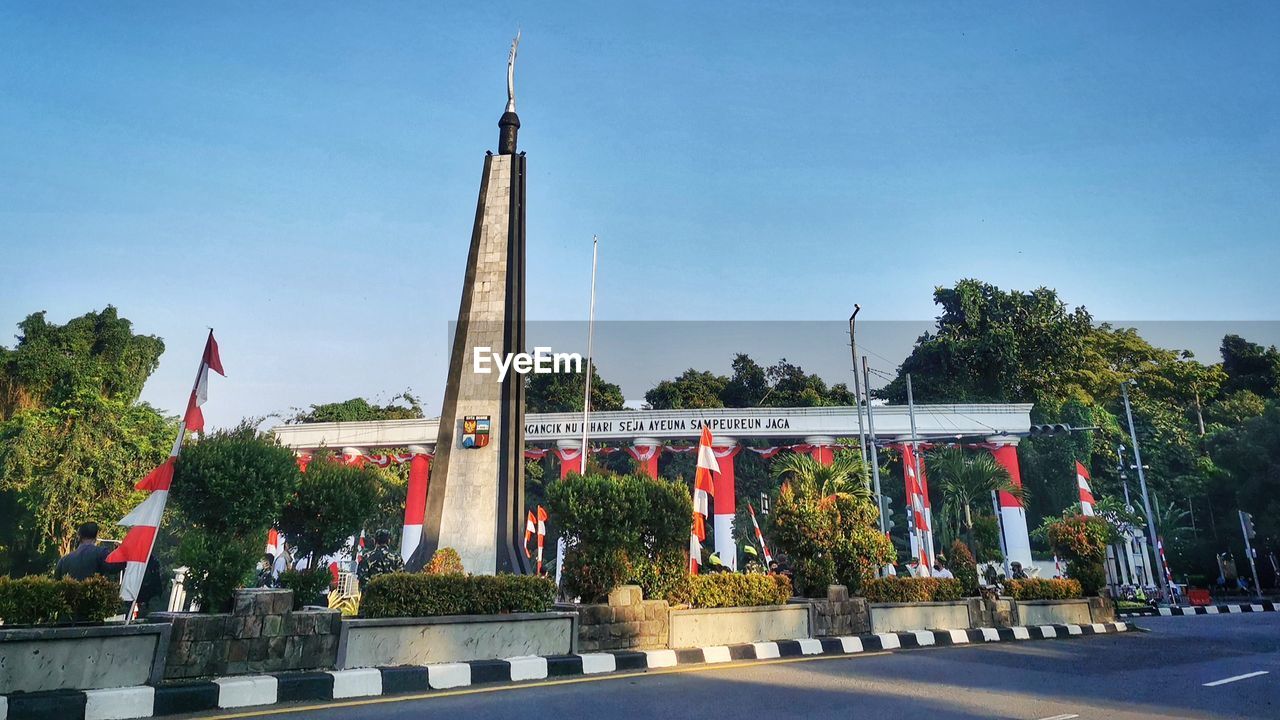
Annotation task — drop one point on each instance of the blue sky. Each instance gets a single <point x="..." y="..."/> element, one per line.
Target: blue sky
<point x="302" y="176"/>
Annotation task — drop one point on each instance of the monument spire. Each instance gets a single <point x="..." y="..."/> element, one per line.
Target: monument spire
<point x="509" y="123"/>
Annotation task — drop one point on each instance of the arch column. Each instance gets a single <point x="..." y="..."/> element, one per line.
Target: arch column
<point x="1013" y="517"/>
<point x="645" y="452"/>
<point x="569" y="452"/>
<point x="822" y="448"/>
<point x="415" y="501"/>
<point x="725" y="504"/>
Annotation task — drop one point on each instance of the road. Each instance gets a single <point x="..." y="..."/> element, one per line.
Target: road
<point x="1158" y="674"/>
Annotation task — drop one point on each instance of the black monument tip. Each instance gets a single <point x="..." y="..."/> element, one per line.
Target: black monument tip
<point x="508" y="126"/>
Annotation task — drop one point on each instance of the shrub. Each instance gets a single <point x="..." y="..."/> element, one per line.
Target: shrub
<point x="1044" y="589"/>
<point x="445" y="561"/>
<point x="720" y="590"/>
<point x="1082" y="540"/>
<point x="616" y="527"/>
<point x="39" y="600"/>
<point x="330" y="503"/>
<point x="423" y="595"/>
<point x="307" y="585"/>
<point x="230" y="487"/>
<point x="961" y="564"/>
<point x="895" y="589"/>
<point x="658" y="576"/>
<point x="829" y="538"/>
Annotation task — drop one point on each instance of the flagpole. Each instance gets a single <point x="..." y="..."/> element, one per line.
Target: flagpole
<point x="591" y="329"/>
<point x="177" y="448"/>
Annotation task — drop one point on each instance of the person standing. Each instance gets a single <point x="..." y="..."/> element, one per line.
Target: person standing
<point x="381" y="561"/>
<point x="88" y="559"/>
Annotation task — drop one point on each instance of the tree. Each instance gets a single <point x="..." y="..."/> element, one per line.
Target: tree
<point x="1250" y="366"/>
<point x="360" y="409"/>
<point x="562" y="392"/>
<point x="73" y="436"/>
<point x="783" y="384"/>
<point x="332" y="502"/>
<point x="843" y="477"/>
<point x="693" y="389"/>
<point x="229" y="487"/>
<point x="966" y="482"/>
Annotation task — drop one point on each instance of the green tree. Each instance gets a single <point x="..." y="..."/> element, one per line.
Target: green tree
<point x="966" y="482"/>
<point x="73" y="436"/>
<point x="229" y="487"/>
<point x="693" y="389"/>
<point x="1250" y="366"/>
<point x="404" y="406"/>
<point x="562" y="392"/>
<point x="843" y="477"/>
<point x="332" y="502"/>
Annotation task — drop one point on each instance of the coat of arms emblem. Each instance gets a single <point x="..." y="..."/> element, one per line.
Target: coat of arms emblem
<point x="475" y="431"/>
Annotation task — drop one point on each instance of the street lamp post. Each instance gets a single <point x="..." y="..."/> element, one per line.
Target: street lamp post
<point x="1146" y="501"/>
<point x="857" y="395"/>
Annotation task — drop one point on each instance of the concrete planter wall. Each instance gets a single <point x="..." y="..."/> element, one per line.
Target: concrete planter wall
<point x="81" y="658"/>
<point x="838" y="614"/>
<point x="896" y="617"/>
<point x="728" y="626"/>
<point x="1054" y="612"/>
<point x="369" y="642"/>
<point x="626" y="622"/>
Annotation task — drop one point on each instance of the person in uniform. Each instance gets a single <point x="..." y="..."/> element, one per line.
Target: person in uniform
<point x="381" y="561"/>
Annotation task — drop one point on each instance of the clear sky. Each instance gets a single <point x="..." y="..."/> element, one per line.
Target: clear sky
<point x="303" y="176"/>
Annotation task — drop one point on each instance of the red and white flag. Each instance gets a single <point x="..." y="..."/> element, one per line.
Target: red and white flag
<point x="915" y="506"/>
<point x="144" y="521"/>
<point x="530" y="529"/>
<point x="759" y="535"/>
<point x="542" y="534"/>
<point x="703" y="491"/>
<point x="275" y="542"/>
<point x="1086" y="495"/>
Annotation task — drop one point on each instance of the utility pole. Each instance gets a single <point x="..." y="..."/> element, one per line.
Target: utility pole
<point x="1246" y="529"/>
<point x="871" y="441"/>
<point x="857" y="394"/>
<point x="591" y="336"/>
<point x="1146" y="501"/>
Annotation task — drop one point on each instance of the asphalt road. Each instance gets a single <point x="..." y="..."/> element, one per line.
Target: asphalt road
<point x="1161" y="673"/>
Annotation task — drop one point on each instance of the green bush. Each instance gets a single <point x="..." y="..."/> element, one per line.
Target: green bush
<point x="422" y="595"/>
<point x="230" y="487"/>
<point x="961" y="564"/>
<point x="1082" y="540"/>
<point x="895" y="589"/>
<point x="445" y="561"/>
<point x="40" y="600"/>
<point x="658" y="576"/>
<point x="721" y="590"/>
<point x="616" y="527"/>
<point x="1044" y="589"/>
<point x="330" y="504"/>
<point x="308" y="586"/>
<point x="829" y="537"/>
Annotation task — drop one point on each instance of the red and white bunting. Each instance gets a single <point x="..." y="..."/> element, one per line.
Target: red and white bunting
<point x="542" y="534"/>
<point x="1086" y="494"/>
<point x="144" y="521"/>
<point x="703" y="490"/>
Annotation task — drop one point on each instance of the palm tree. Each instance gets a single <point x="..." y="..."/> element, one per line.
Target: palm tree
<point x="967" y="482"/>
<point x="842" y="478"/>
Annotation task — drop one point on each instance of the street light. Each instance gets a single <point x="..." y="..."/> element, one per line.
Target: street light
<point x="1146" y="501"/>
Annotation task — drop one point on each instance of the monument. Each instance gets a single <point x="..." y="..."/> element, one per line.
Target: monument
<point x="475" y="500"/>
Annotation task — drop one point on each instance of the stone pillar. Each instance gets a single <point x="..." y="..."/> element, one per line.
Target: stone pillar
<point x="1013" y="517"/>
<point x="415" y="501"/>
<point x="822" y="448"/>
<point x="645" y="452"/>
<point x="569" y="452"/>
<point x="725" y="504"/>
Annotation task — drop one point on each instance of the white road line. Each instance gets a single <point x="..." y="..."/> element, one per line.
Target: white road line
<point x="1064" y="716"/>
<point x="1234" y="678"/>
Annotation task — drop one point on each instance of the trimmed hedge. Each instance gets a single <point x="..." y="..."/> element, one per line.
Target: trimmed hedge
<point x="308" y="586"/>
<point x="1044" y="589"/>
<point x="39" y="600"/>
<point x="722" y="590"/>
<point x="422" y="595"/>
<point x="912" y="589"/>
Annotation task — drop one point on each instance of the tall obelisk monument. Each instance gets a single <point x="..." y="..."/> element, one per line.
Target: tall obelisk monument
<point x="475" y="501"/>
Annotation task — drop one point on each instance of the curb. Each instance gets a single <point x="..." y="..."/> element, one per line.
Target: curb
<point x="262" y="690"/>
<point x="1199" y="610"/>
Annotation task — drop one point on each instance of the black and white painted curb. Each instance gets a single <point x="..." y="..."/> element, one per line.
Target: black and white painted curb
<point x="260" y="690"/>
<point x="1199" y="610"/>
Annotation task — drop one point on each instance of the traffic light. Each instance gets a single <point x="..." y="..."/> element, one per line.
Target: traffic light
<point x="1050" y="429"/>
<point x="889" y="524"/>
<point x="1246" y="521"/>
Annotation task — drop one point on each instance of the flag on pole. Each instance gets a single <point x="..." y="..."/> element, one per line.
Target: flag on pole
<point x="1086" y="495"/>
<point x="703" y="490"/>
<point x="530" y="529"/>
<point x="144" y="521"/>
<point x="759" y="535"/>
<point x="275" y="542"/>
<point x="542" y="534"/>
<point x="915" y="504"/>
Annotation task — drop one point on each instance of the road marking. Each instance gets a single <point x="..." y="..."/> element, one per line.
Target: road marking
<point x="276" y="710"/>
<point x="1234" y="678"/>
<point x="1064" y="716"/>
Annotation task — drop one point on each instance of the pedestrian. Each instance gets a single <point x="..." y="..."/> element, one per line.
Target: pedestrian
<point x="88" y="559"/>
<point x="383" y="560"/>
<point x="941" y="572"/>
<point x="266" y="571"/>
<point x="1016" y="572"/>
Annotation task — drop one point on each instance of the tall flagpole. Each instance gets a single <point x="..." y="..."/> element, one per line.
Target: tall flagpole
<point x="591" y="331"/>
